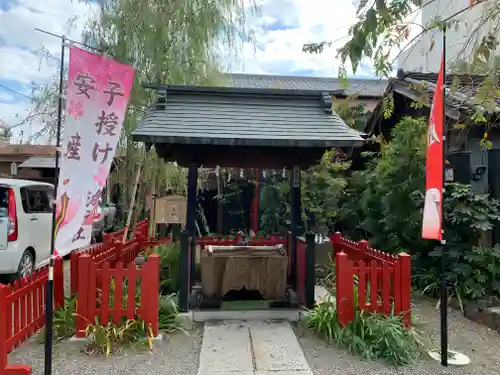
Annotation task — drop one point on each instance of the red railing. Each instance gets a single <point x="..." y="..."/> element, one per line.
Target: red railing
<point x="370" y="280"/>
<point x="112" y="250"/>
<point x="359" y="251"/>
<point x="123" y="283"/>
<point x="22" y="311"/>
<point x="22" y="304"/>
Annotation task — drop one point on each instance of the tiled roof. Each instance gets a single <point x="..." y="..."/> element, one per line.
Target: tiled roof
<point x="28" y="150"/>
<point x="460" y="88"/>
<point x="245" y="116"/>
<point x="363" y="87"/>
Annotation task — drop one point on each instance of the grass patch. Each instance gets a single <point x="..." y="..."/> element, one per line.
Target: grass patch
<point x="370" y="336"/>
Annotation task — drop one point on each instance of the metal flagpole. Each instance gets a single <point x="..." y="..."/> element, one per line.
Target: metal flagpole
<point x="49" y="291"/>
<point x="444" y="287"/>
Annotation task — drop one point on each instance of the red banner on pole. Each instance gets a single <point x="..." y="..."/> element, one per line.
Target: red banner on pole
<point x="433" y="208"/>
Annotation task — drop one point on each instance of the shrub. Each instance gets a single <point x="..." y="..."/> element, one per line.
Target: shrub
<point x="105" y="338"/>
<point x="64" y="324"/>
<point x="169" y="314"/>
<point x="371" y="336"/>
<point x="169" y="267"/>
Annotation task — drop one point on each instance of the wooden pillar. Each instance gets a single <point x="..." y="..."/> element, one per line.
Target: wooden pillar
<point x="254" y="219"/>
<point x="296" y="213"/>
<point x="184" y="274"/>
<point x="220" y="204"/>
<point x="192" y="190"/>
<point x="310" y="270"/>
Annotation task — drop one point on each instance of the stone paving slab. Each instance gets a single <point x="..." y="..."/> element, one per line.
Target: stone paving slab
<point x="225" y="349"/>
<point x="251" y="348"/>
<point x="276" y="348"/>
<point x="286" y="372"/>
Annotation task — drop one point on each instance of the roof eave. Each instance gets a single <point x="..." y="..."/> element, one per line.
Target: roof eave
<point x="242" y="91"/>
<point x="246" y="142"/>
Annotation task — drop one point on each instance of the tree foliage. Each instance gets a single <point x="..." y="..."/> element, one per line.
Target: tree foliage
<point x="384" y="204"/>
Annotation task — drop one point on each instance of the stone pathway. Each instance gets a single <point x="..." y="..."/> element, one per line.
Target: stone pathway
<point x="251" y="348"/>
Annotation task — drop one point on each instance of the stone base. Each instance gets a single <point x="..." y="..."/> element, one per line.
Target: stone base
<point x="290" y="315"/>
<point x="486" y="312"/>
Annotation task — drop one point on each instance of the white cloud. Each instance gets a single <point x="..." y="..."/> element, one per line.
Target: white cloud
<point x="280" y="29"/>
<point x="22" y="48"/>
<point x="279" y="46"/>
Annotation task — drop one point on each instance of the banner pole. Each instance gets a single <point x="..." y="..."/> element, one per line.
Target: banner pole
<point x="443" y="286"/>
<point x="49" y="291"/>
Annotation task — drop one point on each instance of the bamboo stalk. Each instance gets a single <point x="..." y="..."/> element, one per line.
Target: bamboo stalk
<point x="132" y="202"/>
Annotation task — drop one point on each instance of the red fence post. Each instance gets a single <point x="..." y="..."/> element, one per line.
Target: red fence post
<point x="363" y="247"/>
<point x="3" y="327"/>
<point x="336" y="245"/>
<point x="5" y="369"/>
<point x="82" y="303"/>
<point x="154" y="291"/>
<point x="345" y="291"/>
<point x="405" y="264"/>
<point x="58" y="283"/>
<point x="118" y="247"/>
<point x="73" y="269"/>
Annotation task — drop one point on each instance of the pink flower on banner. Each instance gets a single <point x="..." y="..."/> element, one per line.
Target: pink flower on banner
<point x="89" y="219"/>
<point x="75" y="109"/>
<point x="101" y="176"/>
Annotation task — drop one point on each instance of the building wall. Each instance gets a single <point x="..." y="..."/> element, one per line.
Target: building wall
<point x="478" y="155"/>
<point x="459" y="42"/>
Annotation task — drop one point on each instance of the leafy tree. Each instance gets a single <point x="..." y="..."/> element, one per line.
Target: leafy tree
<point x="174" y="42"/>
<point x="382" y="26"/>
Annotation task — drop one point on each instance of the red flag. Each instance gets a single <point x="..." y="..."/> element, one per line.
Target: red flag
<point x="433" y="208"/>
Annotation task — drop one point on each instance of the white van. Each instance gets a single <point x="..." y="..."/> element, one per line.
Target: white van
<point x="27" y="206"/>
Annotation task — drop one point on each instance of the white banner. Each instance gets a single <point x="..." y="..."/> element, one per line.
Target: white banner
<point x="98" y="94"/>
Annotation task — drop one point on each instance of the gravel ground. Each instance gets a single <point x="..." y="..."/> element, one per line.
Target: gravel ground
<point x="176" y="354"/>
<point x="477" y="341"/>
<point x="179" y="354"/>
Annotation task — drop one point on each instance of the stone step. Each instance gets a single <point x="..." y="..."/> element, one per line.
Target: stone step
<point x="251" y="348"/>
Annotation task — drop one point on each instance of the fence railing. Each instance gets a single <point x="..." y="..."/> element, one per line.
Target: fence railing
<point x="109" y="294"/>
<point x="359" y="251"/>
<point x="370" y="280"/>
<point x="22" y="304"/>
<point x="22" y="311"/>
<point x="112" y="250"/>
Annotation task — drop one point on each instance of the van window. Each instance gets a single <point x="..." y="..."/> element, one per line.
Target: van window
<point x="4" y="201"/>
<point x="37" y="199"/>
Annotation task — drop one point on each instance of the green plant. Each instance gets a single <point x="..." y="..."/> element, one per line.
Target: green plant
<point x="471" y="271"/>
<point x="371" y="336"/>
<point x="169" y="267"/>
<point x="64" y="324"/>
<point x="169" y="314"/>
<point x="104" y="338"/>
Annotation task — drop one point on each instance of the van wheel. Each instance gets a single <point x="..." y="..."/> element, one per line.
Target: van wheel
<point x="26" y="265"/>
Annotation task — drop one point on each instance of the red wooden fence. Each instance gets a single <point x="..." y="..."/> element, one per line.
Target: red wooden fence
<point x="376" y="286"/>
<point x="357" y="251"/>
<point x="22" y="311"/>
<point x="112" y="250"/>
<point x="92" y="304"/>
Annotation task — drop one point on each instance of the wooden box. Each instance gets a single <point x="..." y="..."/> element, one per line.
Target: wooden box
<point x="262" y="268"/>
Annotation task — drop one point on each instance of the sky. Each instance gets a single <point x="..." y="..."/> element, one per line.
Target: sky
<point x="280" y="29"/>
